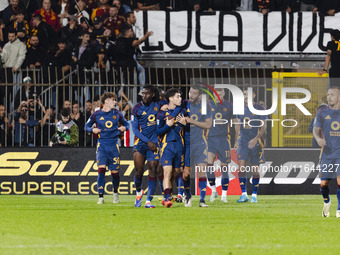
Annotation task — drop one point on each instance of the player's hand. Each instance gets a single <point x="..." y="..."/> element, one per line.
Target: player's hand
<point x="96" y="131"/>
<point x="122" y="128"/>
<point x="152" y="146"/>
<point x="187" y="119"/>
<point x="321" y="142"/>
<point x="252" y="143"/>
<point x="181" y="119"/>
<point x="165" y="107"/>
<point x="170" y="122"/>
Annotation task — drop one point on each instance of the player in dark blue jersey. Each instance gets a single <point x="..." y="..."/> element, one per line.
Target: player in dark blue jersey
<point x="250" y="145"/>
<point x="219" y="143"/>
<point x="328" y="120"/>
<point x="199" y="123"/>
<point x="146" y="144"/>
<point x="172" y="146"/>
<point x="107" y="122"/>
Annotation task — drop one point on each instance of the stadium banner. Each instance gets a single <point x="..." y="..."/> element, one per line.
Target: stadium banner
<point x="71" y="171"/>
<point x="241" y="32"/>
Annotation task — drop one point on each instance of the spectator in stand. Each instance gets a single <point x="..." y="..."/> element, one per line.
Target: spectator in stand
<point x="88" y="109"/>
<point x="262" y="6"/>
<point x="21" y="26"/>
<point x="326" y="7"/>
<point x="84" y="25"/>
<point x="245" y="5"/>
<point x="125" y="105"/>
<point x="78" y="117"/>
<point x="44" y="31"/>
<point x="222" y="5"/>
<point x="84" y="54"/>
<point x="35" y="112"/>
<point x="3" y="126"/>
<point x="63" y="57"/>
<point x="2" y="30"/>
<point x="333" y="58"/>
<point x="114" y="21"/>
<point x="98" y="29"/>
<point x="48" y="125"/>
<point x="71" y="32"/>
<point x="63" y="10"/>
<point x="307" y="5"/>
<point x="81" y="12"/>
<point x="278" y="5"/>
<point x="84" y="57"/>
<point x="194" y="5"/>
<point x="67" y="133"/>
<point x="148" y="5"/>
<point x="9" y="14"/>
<point x="293" y="5"/>
<point x="20" y="129"/>
<point x="14" y="52"/>
<point x="121" y="11"/>
<point x="48" y="15"/>
<point x="126" y="47"/>
<point x="102" y="11"/>
<point x="101" y="68"/>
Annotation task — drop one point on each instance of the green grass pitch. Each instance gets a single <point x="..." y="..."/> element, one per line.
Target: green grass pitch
<point x="77" y="225"/>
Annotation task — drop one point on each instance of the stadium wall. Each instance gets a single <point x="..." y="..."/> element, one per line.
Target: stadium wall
<point x="60" y="171"/>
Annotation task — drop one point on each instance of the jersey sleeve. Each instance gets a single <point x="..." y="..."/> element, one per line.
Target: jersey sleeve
<point x="123" y="121"/>
<point x="162" y="127"/>
<point x="318" y="120"/>
<point x="135" y="125"/>
<point x="90" y="122"/>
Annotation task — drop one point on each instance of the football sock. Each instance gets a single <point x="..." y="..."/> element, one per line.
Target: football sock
<point x="211" y="177"/>
<point x="225" y="182"/>
<point x="202" y="184"/>
<point x="167" y="193"/>
<point x="101" y="181"/>
<point x="138" y="183"/>
<point x="180" y="184"/>
<point x="325" y="193"/>
<point x="187" y="188"/>
<point x="243" y="184"/>
<point x="338" y="196"/>
<point x="115" y="181"/>
<point x="160" y="182"/>
<point x="151" y="188"/>
<point x="256" y="181"/>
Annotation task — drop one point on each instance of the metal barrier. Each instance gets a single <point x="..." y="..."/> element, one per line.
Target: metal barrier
<point x="49" y="89"/>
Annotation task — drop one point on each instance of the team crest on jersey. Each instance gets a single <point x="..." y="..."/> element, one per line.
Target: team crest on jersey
<point x="328" y="117"/>
<point x="114" y="117"/>
<point x="102" y="118"/>
<point x="155" y="109"/>
<point x="225" y="109"/>
<point x="253" y="114"/>
<point x="166" y="162"/>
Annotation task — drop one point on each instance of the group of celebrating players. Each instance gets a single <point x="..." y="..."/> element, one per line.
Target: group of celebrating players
<point x="173" y="135"/>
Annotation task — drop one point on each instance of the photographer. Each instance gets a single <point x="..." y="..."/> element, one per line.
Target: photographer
<point x="67" y="133"/>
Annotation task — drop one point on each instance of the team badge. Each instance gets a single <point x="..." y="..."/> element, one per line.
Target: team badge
<point x="225" y="109"/>
<point x="114" y="117"/>
<point x="155" y="109"/>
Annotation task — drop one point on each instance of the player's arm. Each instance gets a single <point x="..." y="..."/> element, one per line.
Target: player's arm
<point x="88" y="126"/>
<point x="237" y="131"/>
<point x="125" y="125"/>
<point x="254" y="141"/>
<point x="135" y="127"/>
<point x="202" y="124"/>
<point x="317" y="130"/>
<point x="163" y="125"/>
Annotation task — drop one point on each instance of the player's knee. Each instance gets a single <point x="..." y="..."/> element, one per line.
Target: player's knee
<point x="101" y="170"/>
<point x="323" y="185"/>
<point x="115" y="174"/>
<point x="139" y="174"/>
